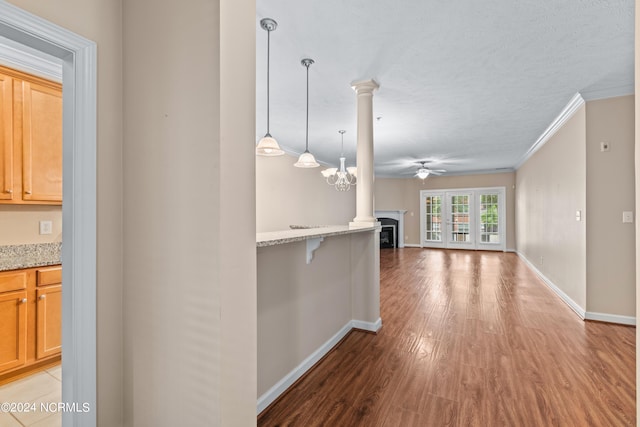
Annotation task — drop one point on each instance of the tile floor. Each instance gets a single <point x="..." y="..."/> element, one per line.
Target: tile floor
<point x="42" y="387"/>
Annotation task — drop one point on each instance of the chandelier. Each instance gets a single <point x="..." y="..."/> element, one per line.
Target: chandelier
<point x="342" y="179"/>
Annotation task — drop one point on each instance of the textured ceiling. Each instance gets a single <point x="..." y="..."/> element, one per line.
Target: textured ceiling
<point x="468" y="85"/>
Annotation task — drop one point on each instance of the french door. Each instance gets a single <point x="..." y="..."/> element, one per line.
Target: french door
<point x="471" y="218"/>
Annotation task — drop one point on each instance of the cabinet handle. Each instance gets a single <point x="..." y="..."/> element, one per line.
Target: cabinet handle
<point x="27" y="192"/>
<point x="8" y="191"/>
<point x="42" y="296"/>
<point x="23" y="300"/>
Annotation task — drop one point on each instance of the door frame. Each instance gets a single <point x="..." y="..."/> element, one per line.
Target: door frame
<point x="79" y="87"/>
<point x="475" y="192"/>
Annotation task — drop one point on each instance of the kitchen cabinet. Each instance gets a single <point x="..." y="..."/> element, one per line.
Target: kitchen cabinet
<point x="30" y="320"/>
<point x="31" y="165"/>
<point x="48" y="312"/>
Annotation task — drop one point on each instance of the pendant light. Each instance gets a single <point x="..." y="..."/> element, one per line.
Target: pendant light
<point x="306" y="159"/>
<point x="268" y="146"/>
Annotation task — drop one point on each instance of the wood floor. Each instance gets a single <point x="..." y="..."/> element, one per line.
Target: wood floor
<point x="473" y="339"/>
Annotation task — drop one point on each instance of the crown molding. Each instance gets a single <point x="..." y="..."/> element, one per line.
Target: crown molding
<point x="610" y="92"/>
<point x="567" y="112"/>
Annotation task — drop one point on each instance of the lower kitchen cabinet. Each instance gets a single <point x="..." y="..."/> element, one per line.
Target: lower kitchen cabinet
<point x="30" y="320"/>
<point x="13" y="329"/>
<point x="49" y="317"/>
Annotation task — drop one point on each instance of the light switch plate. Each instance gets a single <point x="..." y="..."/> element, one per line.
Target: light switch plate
<point x="46" y="227"/>
<point x="627" y="216"/>
<point x="578" y="215"/>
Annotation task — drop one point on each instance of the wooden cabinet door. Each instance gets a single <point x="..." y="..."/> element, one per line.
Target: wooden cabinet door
<point x="6" y="138"/>
<point x="49" y="321"/>
<point x="13" y="329"/>
<point x="41" y="143"/>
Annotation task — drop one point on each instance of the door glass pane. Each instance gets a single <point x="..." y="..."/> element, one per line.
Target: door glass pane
<point x="489" y="220"/>
<point x="460" y="219"/>
<point x="433" y="220"/>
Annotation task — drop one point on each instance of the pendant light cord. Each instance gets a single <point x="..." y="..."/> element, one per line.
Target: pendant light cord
<point x="307" y="137"/>
<point x="268" y="56"/>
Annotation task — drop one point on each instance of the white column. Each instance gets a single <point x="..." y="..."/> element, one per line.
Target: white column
<point x="364" y="188"/>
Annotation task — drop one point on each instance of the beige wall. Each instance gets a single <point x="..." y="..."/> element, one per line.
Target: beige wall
<point x="101" y="21"/>
<point x="404" y="193"/>
<point x="286" y="195"/>
<point x="21" y="224"/>
<point x="190" y="255"/>
<point x="610" y="190"/>
<point x="301" y="306"/>
<point x="550" y="188"/>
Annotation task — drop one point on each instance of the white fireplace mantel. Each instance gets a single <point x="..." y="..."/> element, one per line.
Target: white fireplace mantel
<point x="398" y="215"/>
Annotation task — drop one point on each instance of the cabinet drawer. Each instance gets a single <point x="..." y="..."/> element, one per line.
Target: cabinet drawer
<point x="13" y="281"/>
<point x="49" y="276"/>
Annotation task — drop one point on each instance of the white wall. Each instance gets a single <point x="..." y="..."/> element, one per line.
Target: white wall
<point x="286" y="195"/>
<point x="550" y="188"/>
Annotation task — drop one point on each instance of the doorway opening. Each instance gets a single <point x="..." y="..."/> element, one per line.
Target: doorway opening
<point x="79" y="72"/>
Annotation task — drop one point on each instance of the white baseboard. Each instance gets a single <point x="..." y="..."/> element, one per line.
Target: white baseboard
<point x="611" y="318"/>
<point x="511" y="250"/>
<point x="411" y="245"/>
<point x="281" y="386"/>
<point x="367" y="326"/>
<point x="571" y="303"/>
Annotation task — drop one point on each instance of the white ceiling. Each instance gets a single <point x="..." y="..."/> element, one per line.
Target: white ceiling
<point x="469" y="85"/>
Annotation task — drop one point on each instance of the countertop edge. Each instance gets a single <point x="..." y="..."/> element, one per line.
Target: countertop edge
<point x="273" y="238"/>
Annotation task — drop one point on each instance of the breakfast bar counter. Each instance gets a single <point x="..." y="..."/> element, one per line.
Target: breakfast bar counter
<point x="315" y="284"/>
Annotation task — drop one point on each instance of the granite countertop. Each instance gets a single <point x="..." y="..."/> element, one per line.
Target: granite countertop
<point x="299" y="233"/>
<point x="13" y="257"/>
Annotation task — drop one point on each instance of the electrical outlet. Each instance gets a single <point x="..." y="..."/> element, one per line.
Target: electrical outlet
<point x="627" y="216"/>
<point x="46" y="227"/>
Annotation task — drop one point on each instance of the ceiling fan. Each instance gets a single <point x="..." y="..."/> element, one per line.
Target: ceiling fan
<point x="423" y="172"/>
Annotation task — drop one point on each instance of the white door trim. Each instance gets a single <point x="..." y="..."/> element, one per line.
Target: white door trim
<point x="79" y="73"/>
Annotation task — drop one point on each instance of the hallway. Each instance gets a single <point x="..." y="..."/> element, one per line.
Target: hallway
<point x="468" y="338"/>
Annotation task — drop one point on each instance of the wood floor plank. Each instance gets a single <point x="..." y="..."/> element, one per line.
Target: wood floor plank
<point x="473" y="339"/>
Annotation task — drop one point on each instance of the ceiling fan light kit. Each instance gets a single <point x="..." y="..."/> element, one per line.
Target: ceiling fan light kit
<point x="268" y="146"/>
<point x="423" y="172"/>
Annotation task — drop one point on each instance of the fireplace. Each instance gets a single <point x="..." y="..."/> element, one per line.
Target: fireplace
<point x="388" y="233"/>
<point x="397" y="227"/>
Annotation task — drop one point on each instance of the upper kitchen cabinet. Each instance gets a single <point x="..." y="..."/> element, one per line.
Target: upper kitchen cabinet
<point x="31" y="166"/>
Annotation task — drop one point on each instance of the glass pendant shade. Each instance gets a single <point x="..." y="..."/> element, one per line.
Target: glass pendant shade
<point x="306" y="160"/>
<point x="353" y="171"/>
<point x="329" y="172"/>
<point x="268" y="146"/>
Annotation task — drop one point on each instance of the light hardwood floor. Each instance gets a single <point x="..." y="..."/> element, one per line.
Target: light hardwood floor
<point x="468" y="338"/>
